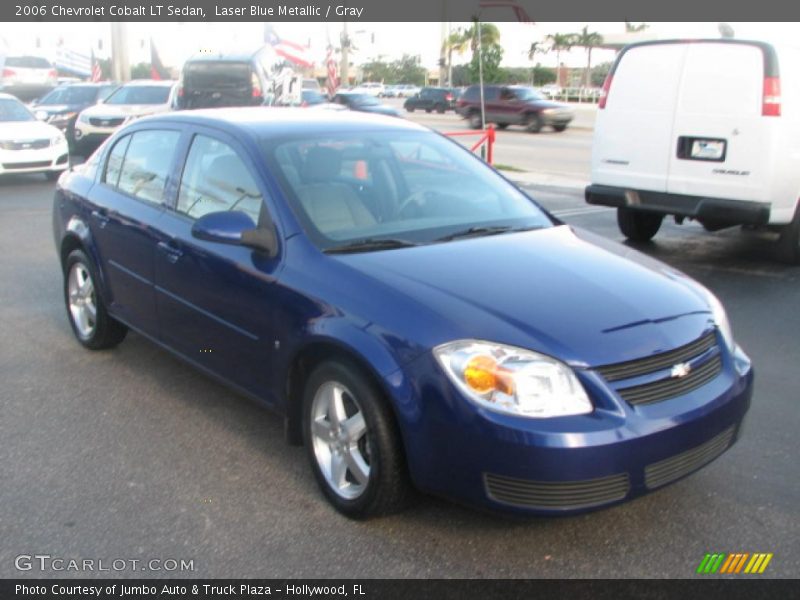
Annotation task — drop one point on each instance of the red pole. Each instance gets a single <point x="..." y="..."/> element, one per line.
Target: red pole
<point x="490" y="143"/>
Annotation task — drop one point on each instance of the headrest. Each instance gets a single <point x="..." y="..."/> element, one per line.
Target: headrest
<point x="322" y="164"/>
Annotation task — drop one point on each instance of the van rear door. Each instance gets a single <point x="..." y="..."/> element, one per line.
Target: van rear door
<point x="633" y="133"/>
<point x="720" y="144"/>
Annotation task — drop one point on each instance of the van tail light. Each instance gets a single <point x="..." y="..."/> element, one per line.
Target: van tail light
<point x="53" y="74"/>
<point x="771" y="106"/>
<point x="256" y="85"/>
<point x="180" y="91"/>
<point x="604" y="91"/>
<point x="449" y="97"/>
<point x="9" y="72"/>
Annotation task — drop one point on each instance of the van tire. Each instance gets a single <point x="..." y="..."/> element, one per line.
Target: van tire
<point x="637" y="225"/>
<point x="789" y="241"/>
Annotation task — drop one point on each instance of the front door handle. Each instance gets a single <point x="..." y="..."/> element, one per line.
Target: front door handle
<point x="173" y="253"/>
<point x="101" y="218"/>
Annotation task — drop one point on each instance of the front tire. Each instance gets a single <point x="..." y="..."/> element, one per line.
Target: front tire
<point x="353" y="443"/>
<point x="559" y="128"/>
<point x="474" y="119"/>
<point x="93" y="327"/>
<point x="534" y="123"/>
<point x="638" y="226"/>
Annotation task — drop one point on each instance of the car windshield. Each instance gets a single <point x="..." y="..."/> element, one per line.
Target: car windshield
<point x="363" y="99"/>
<point x="14" y="110"/>
<point x="527" y="94"/>
<point x="73" y="94"/>
<point x="139" y="94"/>
<point x="402" y="187"/>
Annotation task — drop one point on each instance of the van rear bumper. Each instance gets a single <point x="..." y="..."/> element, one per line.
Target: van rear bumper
<point x="718" y="210"/>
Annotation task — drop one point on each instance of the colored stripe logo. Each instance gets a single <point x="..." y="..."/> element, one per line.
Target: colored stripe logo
<point x="734" y="563"/>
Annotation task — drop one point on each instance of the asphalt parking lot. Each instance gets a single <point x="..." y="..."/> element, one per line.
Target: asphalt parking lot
<point x="130" y="454"/>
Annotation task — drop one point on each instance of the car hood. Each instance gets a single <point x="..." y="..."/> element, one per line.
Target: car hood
<point x="124" y="110"/>
<point x="562" y="292"/>
<point x="27" y="130"/>
<point x="380" y="109"/>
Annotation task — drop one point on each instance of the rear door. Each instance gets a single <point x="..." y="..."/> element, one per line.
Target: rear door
<point x="720" y="140"/>
<point x="126" y="208"/>
<point x="633" y="133"/>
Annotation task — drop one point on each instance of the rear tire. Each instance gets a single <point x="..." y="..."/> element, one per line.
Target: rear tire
<point x="440" y="108"/>
<point x="474" y="119"/>
<point x="93" y="327"/>
<point x="638" y="226"/>
<point x="789" y="241"/>
<point x="502" y="125"/>
<point x="353" y="442"/>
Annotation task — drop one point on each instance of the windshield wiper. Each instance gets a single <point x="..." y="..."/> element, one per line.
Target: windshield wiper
<point x="480" y="231"/>
<point x="368" y="244"/>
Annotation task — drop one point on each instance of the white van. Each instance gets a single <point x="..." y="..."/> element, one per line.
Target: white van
<point x="702" y="129"/>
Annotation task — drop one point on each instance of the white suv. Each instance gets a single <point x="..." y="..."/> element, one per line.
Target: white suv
<point x="131" y="101"/>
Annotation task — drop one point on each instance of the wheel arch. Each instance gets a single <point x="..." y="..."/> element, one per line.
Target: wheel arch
<point x="304" y="361"/>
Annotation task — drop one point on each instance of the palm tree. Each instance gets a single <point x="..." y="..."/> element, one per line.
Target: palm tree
<point x="537" y="48"/>
<point x="559" y="42"/>
<point x="588" y="39"/>
<point x="489" y="36"/>
<point x="456" y="42"/>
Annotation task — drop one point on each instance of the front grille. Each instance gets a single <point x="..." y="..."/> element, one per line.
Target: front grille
<point x="664" y="389"/>
<point x="561" y="495"/>
<point x="99" y="122"/>
<point x="668" y="470"/>
<point x="25" y="144"/>
<point x="27" y="165"/>
<point x="642" y="366"/>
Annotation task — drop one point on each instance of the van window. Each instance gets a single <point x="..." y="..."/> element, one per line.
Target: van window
<point x="216" y="74"/>
<point x="722" y="79"/>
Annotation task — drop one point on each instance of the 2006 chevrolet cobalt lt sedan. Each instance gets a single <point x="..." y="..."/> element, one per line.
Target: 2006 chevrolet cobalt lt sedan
<point x="416" y="319"/>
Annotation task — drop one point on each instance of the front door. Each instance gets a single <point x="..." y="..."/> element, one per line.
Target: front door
<point x="215" y="301"/>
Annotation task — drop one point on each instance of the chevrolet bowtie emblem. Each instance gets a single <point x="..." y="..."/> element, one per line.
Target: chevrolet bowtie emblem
<point x="680" y="370"/>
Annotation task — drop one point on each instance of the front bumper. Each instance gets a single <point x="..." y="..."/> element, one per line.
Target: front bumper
<point x="719" y="210"/>
<point x="52" y="158"/>
<point x="570" y="464"/>
<point x="557" y="118"/>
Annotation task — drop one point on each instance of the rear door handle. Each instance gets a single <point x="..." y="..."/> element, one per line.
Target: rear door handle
<point x="100" y="217"/>
<point x="173" y="253"/>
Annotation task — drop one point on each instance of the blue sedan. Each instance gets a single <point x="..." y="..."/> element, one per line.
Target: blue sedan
<point x="417" y="320"/>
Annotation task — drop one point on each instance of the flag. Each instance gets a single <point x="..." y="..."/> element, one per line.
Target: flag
<point x="332" y="82"/>
<point x="157" y="70"/>
<point x="97" y="72"/>
<point x="296" y="54"/>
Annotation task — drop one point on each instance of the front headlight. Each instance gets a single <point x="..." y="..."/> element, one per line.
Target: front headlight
<point x="721" y="319"/>
<point x="60" y="118"/>
<point x="513" y="380"/>
<point x="83" y="118"/>
<point x="41" y="115"/>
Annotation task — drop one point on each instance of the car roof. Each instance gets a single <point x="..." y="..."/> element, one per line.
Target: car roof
<point x="260" y="121"/>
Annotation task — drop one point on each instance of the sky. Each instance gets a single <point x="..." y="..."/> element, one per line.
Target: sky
<point x="176" y="42"/>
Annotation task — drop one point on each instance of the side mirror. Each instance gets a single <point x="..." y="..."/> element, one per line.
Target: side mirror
<point x="236" y="228"/>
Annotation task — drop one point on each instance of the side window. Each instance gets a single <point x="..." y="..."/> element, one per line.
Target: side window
<point x="216" y="179"/>
<point x="489" y="93"/>
<point x="114" y="163"/>
<point x="146" y="165"/>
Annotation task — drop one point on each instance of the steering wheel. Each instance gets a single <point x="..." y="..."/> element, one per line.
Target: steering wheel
<point x="419" y="198"/>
